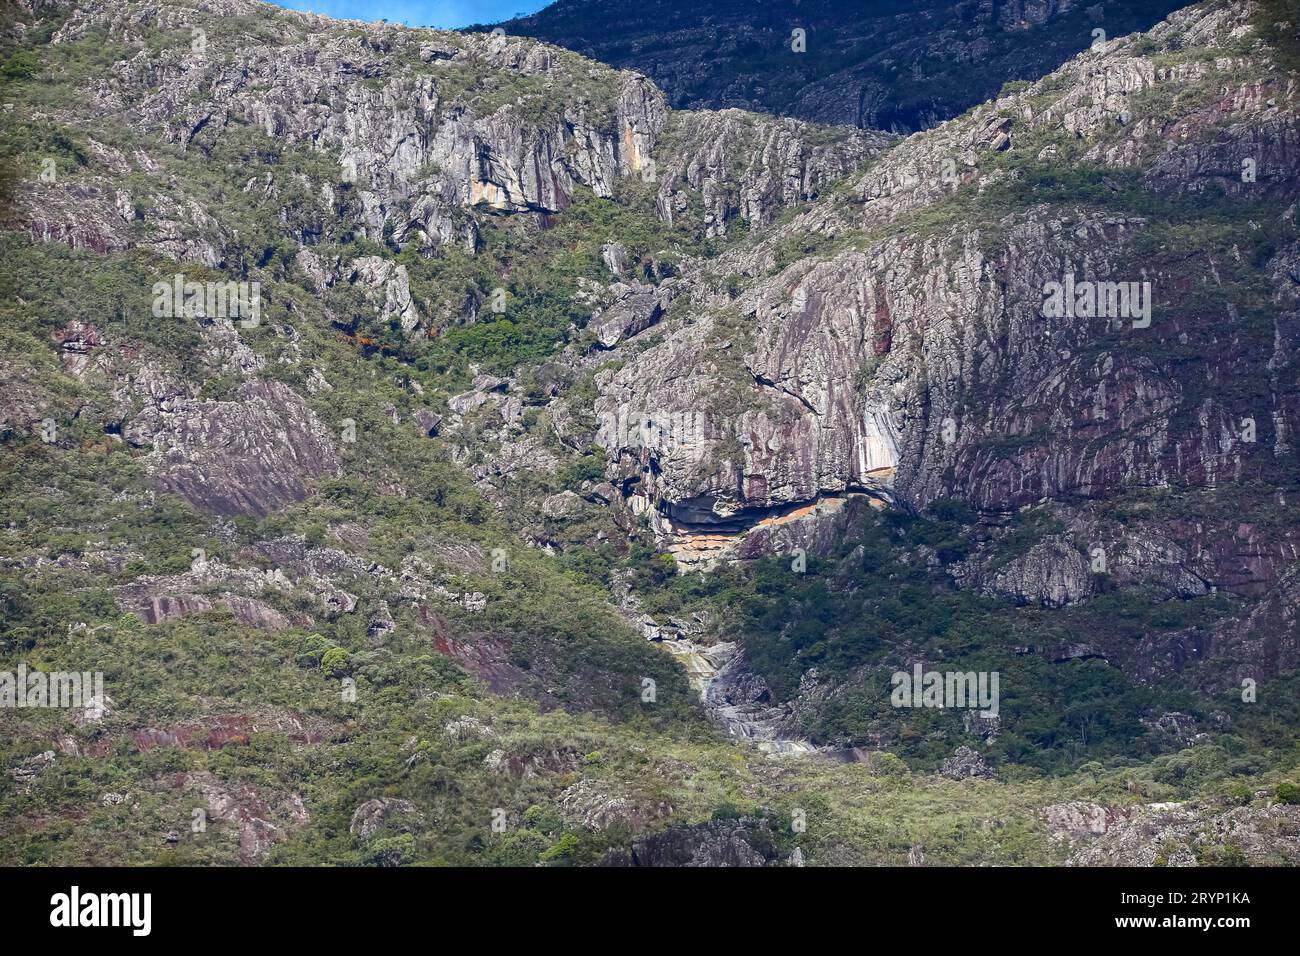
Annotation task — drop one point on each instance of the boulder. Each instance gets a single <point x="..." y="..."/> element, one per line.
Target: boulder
<point x="372" y="816"/>
<point x="965" y="764"/>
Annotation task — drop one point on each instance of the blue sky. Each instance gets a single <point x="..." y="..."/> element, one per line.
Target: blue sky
<point x="447" y="14"/>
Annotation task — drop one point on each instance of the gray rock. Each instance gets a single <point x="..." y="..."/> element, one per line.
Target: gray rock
<point x="427" y="421"/>
<point x="373" y="815"/>
<point x="250" y="456"/>
<point x="965" y="764"/>
<point x="742" y="843"/>
<point x="381" y="624"/>
<point x="614" y="255"/>
<point x="563" y="506"/>
<point x="602" y="493"/>
<point x="1053" y="574"/>
<point x="389" y="285"/>
<point x="468" y="728"/>
<point x="637" y="308"/>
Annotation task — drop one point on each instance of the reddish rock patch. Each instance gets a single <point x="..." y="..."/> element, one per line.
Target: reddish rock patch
<point x="486" y="659"/>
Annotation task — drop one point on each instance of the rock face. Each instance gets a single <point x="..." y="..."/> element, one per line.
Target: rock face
<point x="156" y="609"/>
<point x="413" y="138"/>
<point x="918" y="363"/>
<point x="372" y="816"/>
<point x="635" y="308"/>
<point x="751" y="167"/>
<point x="891" y="65"/>
<point x="1255" y="645"/>
<point x="418" y="130"/>
<point x="742" y="704"/>
<point x="1177" y="834"/>
<point x="259" y="819"/>
<point x="565" y="505"/>
<point x="588" y="805"/>
<point x="739" y="843"/>
<point x="965" y="764"/>
<point x="249" y="456"/>
<point x="527" y="766"/>
<point x="390" y="287"/>
<point x="1052" y="574"/>
<point x="428" y="422"/>
<point x="1075" y="820"/>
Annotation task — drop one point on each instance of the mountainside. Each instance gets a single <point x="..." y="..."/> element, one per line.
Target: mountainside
<point x="448" y="451"/>
<point x="899" y="65"/>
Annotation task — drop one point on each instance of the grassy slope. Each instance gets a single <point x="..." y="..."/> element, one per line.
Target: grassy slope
<point x="87" y="494"/>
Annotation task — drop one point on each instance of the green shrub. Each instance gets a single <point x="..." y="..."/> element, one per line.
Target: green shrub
<point x="336" y="662"/>
<point x="562" y="850"/>
<point x="22" y="65"/>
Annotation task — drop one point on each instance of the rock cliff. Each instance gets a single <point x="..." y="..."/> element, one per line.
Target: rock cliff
<point x="532" y="345"/>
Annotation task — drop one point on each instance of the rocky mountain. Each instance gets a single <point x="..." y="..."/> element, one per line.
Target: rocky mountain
<point x="906" y="355"/>
<point x="448" y="450"/>
<point x="898" y="65"/>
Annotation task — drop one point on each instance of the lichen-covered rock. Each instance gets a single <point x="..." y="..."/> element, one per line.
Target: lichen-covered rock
<point x="1179" y="834"/>
<point x="373" y="815"/>
<point x="965" y="764"/>
<point x="593" y="807"/>
<point x="1052" y="574"/>
<point x="250" y="456"/>
<point x="743" y="842"/>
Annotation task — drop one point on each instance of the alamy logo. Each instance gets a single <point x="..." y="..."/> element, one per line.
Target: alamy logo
<point x="1087" y="299"/>
<point x="50" y="688"/>
<point x="957" y="689"/>
<point x="208" y="300"/>
<point x="665" y="432"/>
<point x="103" y="909"/>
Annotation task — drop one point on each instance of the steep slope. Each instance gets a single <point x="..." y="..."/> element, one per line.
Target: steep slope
<point x="900" y="65"/>
<point x="370" y="566"/>
<point x="905" y="352"/>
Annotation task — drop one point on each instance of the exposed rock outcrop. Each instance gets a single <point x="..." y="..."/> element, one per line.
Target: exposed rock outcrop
<point x="740" y="843"/>
<point x="1177" y="834"/>
<point x="965" y="764"/>
<point x="373" y="815"/>
<point x="918" y="364"/>
<point x="890" y="65"/>
<point x="260" y="819"/>
<point x="416" y="122"/>
<point x="250" y="456"/>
